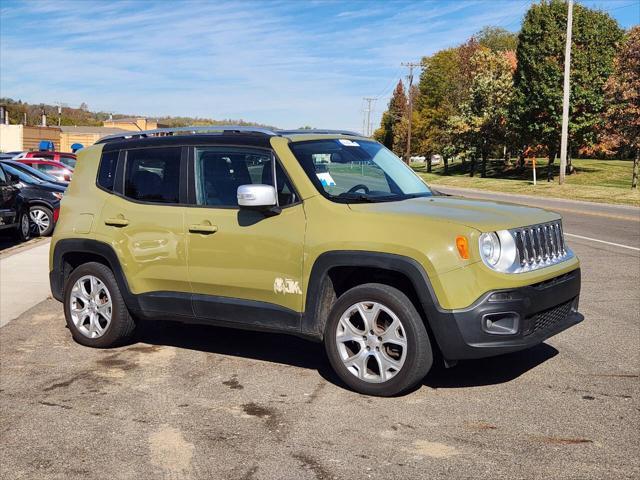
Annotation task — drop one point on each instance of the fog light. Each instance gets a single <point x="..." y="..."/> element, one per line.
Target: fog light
<point x="504" y="323"/>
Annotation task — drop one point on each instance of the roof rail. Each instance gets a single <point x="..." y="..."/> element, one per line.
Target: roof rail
<point x="313" y="131"/>
<point x="165" y="132"/>
<point x="220" y="129"/>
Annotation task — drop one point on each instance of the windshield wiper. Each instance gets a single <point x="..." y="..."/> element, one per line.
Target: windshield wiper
<point x="360" y="197"/>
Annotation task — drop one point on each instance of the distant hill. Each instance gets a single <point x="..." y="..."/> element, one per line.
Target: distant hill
<point x="83" y="116"/>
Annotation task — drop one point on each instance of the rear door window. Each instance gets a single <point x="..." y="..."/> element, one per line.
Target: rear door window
<point x="153" y="175"/>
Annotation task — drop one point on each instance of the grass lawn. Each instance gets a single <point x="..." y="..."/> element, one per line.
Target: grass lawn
<point x="607" y="181"/>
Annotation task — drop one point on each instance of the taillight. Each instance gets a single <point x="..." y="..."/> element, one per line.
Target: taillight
<point x="56" y="214"/>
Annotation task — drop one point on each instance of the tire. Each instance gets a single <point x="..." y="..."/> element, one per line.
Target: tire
<point x="41" y="220"/>
<point x="23" y="231"/>
<point x="89" y="323"/>
<point x="380" y="377"/>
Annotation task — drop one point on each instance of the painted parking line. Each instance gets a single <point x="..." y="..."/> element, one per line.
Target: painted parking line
<point x="602" y="241"/>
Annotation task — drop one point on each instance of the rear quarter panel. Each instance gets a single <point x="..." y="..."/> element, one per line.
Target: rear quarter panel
<point x="82" y="201"/>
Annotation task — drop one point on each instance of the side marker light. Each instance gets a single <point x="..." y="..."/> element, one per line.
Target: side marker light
<point x="463" y="247"/>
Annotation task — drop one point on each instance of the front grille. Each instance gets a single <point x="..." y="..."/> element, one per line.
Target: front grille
<point x="540" y="245"/>
<point x="548" y="319"/>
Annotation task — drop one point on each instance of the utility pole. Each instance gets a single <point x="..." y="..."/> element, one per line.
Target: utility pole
<point x="411" y="66"/>
<point x="367" y="119"/>
<point x="567" y="91"/>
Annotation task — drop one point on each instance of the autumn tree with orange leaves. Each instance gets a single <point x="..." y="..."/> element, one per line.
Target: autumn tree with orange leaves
<point x="622" y="94"/>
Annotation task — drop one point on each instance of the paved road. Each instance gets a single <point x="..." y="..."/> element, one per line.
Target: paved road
<point x="612" y="223"/>
<point x="199" y="402"/>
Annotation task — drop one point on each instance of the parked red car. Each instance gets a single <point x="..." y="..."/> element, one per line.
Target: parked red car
<point x="68" y="159"/>
<point x="56" y="169"/>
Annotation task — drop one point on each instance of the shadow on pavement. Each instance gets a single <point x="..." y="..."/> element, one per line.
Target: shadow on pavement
<point x="269" y="347"/>
<point x="7" y="240"/>
<point x="290" y="350"/>
<point x="490" y="371"/>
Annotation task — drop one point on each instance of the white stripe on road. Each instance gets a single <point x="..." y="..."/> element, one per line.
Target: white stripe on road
<point x="602" y="241"/>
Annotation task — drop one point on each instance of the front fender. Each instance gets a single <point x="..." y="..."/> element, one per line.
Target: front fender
<point x="314" y="319"/>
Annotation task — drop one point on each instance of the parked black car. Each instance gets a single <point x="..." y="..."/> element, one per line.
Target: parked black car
<point x="34" y="172"/>
<point x="42" y="198"/>
<point x="14" y="210"/>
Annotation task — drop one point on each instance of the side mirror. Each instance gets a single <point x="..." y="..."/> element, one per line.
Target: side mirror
<point x="258" y="197"/>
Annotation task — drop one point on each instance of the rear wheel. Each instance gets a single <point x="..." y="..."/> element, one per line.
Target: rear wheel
<point x="94" y="308"/>
<point x="376" y="340"/>
<point x="41" y="220"/>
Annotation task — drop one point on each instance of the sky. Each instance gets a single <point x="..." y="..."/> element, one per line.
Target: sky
<point x="284" y="63"/>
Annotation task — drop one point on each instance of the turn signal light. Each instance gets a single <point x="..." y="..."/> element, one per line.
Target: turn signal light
<point x="463" y="247"/>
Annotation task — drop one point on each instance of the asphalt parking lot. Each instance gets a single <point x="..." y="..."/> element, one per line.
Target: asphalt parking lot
<point x="188" y="402"/>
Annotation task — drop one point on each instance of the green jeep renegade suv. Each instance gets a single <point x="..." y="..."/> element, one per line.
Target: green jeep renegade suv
<point x="321" y="234"/>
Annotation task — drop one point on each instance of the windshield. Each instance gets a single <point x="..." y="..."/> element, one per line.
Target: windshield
<point x="23" y="176"/>
<point x="68" y="161"/>
<point x="357" y="171"/>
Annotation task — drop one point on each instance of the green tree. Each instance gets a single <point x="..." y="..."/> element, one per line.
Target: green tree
<point x="444" y="85"/>
<point x="392" y="117"/>
<point x="622" y="94"/>
<point x="482" y="122"/>
<point x="537" y="109"/>
<point x="497" y="39"/>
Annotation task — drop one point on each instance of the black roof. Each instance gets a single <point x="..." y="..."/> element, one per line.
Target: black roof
<point x="259" y="141"/>
<point x="241" y="134"/>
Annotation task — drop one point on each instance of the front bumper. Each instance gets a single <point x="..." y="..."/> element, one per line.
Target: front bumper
<point x="504" y="321"/>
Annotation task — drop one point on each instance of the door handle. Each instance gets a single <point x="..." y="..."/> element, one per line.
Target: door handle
<point x="116" y="222"/>
<point x="201" y="228"/>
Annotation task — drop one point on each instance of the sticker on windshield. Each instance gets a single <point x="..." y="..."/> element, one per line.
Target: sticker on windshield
<point x="326" y="179"/>
<point x="348" y="143"/>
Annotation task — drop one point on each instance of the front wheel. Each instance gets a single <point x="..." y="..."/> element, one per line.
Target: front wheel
<point x="41" y="220"/>
<point x="23" y="232"/>
<point x="376" y="341"/>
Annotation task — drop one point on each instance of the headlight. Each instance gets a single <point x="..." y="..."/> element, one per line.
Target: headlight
<point x="498" y="250"/>
<point x="490" y="248"/>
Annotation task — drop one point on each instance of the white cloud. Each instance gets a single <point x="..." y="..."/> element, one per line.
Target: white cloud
<point x="283" y="63"/>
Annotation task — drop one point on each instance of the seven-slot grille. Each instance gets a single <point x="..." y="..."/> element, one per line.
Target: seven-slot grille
<point x="540" y="245"/>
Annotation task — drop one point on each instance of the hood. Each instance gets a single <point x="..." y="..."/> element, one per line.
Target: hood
<point x="483" y="215"/>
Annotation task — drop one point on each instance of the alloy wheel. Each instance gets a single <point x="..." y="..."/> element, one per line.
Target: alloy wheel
<point x="371" y="341"/>
<point x="90" y="306"/>
<point x="40" y="221"/>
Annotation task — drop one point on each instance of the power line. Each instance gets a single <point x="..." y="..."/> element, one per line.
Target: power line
<point x="390" y="85"/>
<point x="622" y="6"/>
